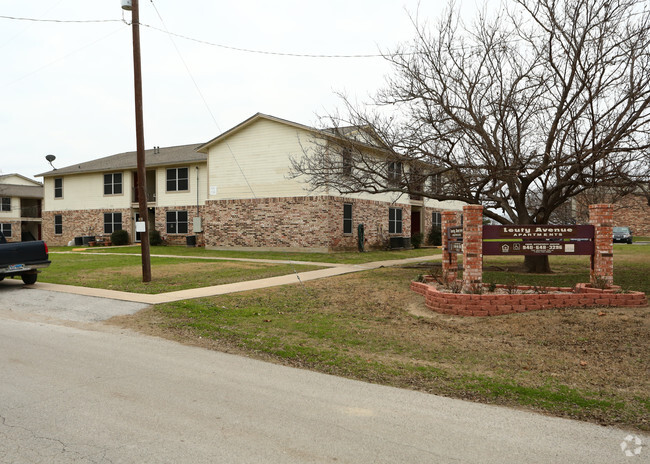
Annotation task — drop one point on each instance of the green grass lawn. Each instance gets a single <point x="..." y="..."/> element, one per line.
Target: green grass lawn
<point x="334" y="258"/>
<point x="117" y="272"/>
<point x="631" y="269"/>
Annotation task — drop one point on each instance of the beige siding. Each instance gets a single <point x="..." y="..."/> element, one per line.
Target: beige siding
<point x="86" y="191"/>
<point x="15" y="210"/>
<point x="17" y="180"/>
<point x="257" y="156"/>
<point x="187" y="198"/>
<point x="255" y="161"/>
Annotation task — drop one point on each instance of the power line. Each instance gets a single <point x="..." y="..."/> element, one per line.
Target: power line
<point x="38" y="20"/>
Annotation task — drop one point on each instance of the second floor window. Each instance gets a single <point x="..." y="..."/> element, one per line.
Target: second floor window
<point x="394" y="172"/>
<point x="6" y="204"/>
<point x="112" y="222"/>
<point x="178" y="179"/>
<point x="58" y="187"/>
<point x="113" y="183"/>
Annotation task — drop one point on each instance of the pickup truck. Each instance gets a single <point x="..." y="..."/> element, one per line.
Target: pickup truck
<point x="22" y="259"/>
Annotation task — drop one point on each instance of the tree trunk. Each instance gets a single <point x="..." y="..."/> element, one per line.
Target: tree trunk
<point x="537" y="264"/>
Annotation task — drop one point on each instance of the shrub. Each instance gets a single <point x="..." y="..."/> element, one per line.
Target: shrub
<point x="154" y="238"/>
<point x="416" y="240"/>
<point x="120" y="237"/>
<point x="435" y="237"/>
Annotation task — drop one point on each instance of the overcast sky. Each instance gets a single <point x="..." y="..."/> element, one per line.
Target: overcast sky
<point x="66" y="88"/>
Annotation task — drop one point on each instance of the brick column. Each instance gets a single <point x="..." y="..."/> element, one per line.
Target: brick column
<point x="449" y="260"/>
<point x="472" y="246"/>
<point x="602" y="261"/>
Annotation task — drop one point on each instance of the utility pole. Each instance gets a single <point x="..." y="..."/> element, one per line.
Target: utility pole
<point x="139" y="136"/>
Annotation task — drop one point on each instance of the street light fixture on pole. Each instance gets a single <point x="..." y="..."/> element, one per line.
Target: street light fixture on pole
<point x="132" y="5"/>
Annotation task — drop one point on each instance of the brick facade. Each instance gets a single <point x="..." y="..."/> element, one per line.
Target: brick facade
<point x="80" y="223"/>
<point x="16" y="232"/>
<point x="633" y="211"/>
<point x="314" y="223"/>
<point x="295" y="223"/>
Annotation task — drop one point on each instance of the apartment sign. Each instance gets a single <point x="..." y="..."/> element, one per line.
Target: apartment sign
<point x="533" y="231"/>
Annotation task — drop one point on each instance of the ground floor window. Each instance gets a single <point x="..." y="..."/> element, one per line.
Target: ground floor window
<point x="176" y="222"/>
<point x="5" y="229"/>
<point x="436" y="220"/>
<point x="112" y="222"/>
<point x="58" y="224"/>
<point x="347" y="218"/>
<point x="395" y="220"/>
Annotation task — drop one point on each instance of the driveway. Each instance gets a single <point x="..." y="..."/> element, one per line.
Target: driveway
<point x="89" y="392"/>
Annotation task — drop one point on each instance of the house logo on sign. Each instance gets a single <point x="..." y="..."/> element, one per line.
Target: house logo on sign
<point x="505" y="248"/>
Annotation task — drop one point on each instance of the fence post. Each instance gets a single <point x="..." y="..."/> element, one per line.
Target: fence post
<point x="601" y="216"/>
<point x="472" y="246"/>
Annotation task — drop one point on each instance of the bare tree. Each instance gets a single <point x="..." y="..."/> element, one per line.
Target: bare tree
<point x="520" y="112"/>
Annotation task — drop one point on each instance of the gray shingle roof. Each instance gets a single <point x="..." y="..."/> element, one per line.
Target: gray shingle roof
<point x="21" y="191"/>
<point x="165" y="156"/>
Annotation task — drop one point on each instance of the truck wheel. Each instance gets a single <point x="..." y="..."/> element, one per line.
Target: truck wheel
<point x="29" y="279"/>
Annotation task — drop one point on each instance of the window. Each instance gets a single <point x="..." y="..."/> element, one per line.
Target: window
<point x="394" y="172"/>
<point x="347" y="218"/>
<point x="112" y="222"/>
<point x="346" y="166"/>
<point x="395" y="220"/>
<point x="436" y="220"/>
<point x="5" y="229"/>
<point x="113" y="183"/>
<point x="436" y="183"/>
<point x="6" y="204"/>
<point x="177" y="179"/>
<point x="58" y="187"/>
<point x="58" y="224"/>
<point x="176" y="222"/>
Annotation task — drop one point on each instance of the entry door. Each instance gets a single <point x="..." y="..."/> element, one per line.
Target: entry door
<point x="416" y="225"/>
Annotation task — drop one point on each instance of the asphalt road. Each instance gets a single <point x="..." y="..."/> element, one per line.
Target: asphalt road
<point x="81" y="392"/>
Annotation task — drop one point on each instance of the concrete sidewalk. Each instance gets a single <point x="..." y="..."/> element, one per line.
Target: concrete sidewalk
<point x="330" y="271"/>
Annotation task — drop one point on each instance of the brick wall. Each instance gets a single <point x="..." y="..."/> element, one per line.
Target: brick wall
<point x="602" y="261"/>
<point x="16" y="232"/>
<point x="633" y="211"/>
<point x="80" y="223"/>
<point x="297" y="223"/>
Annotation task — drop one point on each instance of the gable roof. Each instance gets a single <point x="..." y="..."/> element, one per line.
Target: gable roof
<point x="359" y="135"/>
<point x="163" y="156"/>
<point x="242" y="125"/>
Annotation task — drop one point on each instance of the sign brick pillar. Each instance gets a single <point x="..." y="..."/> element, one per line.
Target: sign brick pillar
<point x="602" y="261"/>
<point x="472" y="246"/>
<point x="449" y="260"/>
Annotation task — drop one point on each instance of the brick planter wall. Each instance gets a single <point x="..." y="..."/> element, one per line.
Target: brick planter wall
<point x="582" y="296"/>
